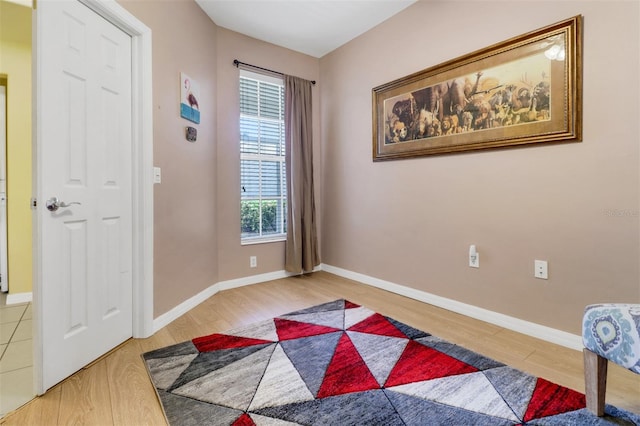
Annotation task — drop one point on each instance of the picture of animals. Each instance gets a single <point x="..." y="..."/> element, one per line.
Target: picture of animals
<point x="189" y="95"/>
<point x="522" y="91"/>
<point x="510" y="94"/>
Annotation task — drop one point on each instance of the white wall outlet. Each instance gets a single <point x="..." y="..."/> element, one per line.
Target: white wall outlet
<point x="540" y="269"/>
<point x="253" y="261"/>
<point x="157" y="175"/>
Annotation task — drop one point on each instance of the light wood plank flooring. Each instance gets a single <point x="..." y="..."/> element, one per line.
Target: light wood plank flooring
<point x="115" y="390"/>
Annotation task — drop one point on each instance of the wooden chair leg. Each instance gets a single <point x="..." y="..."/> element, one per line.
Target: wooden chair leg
<point x="595" y="379"/>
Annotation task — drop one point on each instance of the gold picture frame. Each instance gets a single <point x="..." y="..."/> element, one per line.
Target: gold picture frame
<point x="525" y="90"/>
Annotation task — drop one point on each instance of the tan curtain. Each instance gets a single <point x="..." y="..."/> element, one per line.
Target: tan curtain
<point x="302" y="242"/>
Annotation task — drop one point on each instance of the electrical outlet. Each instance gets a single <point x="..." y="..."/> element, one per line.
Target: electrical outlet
<point x="540" y="269"/>
<point x="253" y="261"/>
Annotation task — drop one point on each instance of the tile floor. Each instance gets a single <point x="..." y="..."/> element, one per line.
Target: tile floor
<point x="16" y="358"/>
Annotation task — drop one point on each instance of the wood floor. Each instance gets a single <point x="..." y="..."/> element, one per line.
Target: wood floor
<point x="116" y="390"/>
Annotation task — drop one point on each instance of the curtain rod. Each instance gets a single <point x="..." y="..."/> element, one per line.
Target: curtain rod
<point x="237" y="63"/>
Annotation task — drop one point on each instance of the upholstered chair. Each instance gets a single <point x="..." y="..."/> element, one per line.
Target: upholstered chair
<point x="610" y="332"/>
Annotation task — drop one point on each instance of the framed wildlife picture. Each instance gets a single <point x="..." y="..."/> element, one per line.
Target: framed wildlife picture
<point x="525" y="90"/>
<point x="189" y="94"/>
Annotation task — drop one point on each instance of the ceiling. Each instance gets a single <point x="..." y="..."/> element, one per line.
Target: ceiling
<point x="313" y="27"/>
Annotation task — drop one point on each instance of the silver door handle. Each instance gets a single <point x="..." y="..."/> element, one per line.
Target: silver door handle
<point x="53" y="204"/>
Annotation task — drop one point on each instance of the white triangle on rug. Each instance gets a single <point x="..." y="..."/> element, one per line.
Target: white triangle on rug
<point x="380" y="353"/>
<point x="471" y="392"/>
<point x="281" y="384"/>
<point x="356" y="315"/>
<point x="333" y="319"/>
<point x="233" y="385"/>
<point x="166" y="370"/>
<point x="270" y="421"/>
<point x="265" y="330"/>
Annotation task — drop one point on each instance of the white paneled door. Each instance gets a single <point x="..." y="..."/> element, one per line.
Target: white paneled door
<point x="85" y="178"/>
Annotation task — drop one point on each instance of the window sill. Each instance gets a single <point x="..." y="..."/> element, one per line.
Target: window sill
<point x="263" y="240"/>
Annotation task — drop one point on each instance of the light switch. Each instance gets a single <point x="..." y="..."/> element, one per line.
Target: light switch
<point x="157" y="175"/>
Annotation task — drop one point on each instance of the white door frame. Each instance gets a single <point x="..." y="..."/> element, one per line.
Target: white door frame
<point x="142" y="176"/>
<point x="4" y="255"/>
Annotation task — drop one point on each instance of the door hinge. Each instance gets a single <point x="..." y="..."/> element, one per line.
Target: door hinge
<point x="34" y="203"/>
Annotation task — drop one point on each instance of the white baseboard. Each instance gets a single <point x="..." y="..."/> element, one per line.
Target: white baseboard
<point x="549" y="334"/>
<point x="17" y="298"/>
<point x="254" y="279"/>
<point x="166" y="318"/>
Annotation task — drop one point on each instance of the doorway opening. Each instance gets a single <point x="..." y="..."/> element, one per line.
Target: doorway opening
<point x="16" y="255"/>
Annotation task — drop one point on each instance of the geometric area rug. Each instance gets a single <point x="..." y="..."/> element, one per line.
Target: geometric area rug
<point x="343" y="364"/>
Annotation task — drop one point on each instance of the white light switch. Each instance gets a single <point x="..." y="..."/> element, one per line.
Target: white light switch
<point x="474" y="257"/>
<point x="157" y="175"/>
<point x="540" y="269"/>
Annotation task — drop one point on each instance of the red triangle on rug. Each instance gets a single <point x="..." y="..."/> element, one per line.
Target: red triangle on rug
<point x="350" y="305"/>
<point x="549" y="399"/>
<point x="288" y="329"/>
<point x="418" y="363"/>
<point x="214" y="342"/>
<point x="244" y="420"/>
<point x="377" y="324"/>
<point x="347" y="372"/>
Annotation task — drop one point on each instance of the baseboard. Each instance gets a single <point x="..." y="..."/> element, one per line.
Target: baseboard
<point x="548" y="334"/>
<point x="17" y="298"/>
<point x="254" y="279"/>
<point x="184" y="307"/>
<point x="175" y="313"/>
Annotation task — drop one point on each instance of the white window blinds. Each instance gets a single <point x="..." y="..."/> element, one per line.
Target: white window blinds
<point x="262" y="158"/>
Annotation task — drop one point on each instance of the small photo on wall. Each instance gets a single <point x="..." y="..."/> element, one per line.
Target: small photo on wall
<point x="189" y="95"/>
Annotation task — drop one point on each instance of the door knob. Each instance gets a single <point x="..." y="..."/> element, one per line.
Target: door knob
<point x="53" y="204"/>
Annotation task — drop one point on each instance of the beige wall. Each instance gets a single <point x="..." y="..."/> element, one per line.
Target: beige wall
<point x="15" y="66"/>
<point x="185" y="214"/>
<point x="234" y="258"/>
<point x="410" y="221"/>
<point x="574" y="205"/>
<point x="197" y="205"/>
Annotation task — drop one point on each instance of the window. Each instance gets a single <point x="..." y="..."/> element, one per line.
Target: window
<point x="262" y="158"/>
